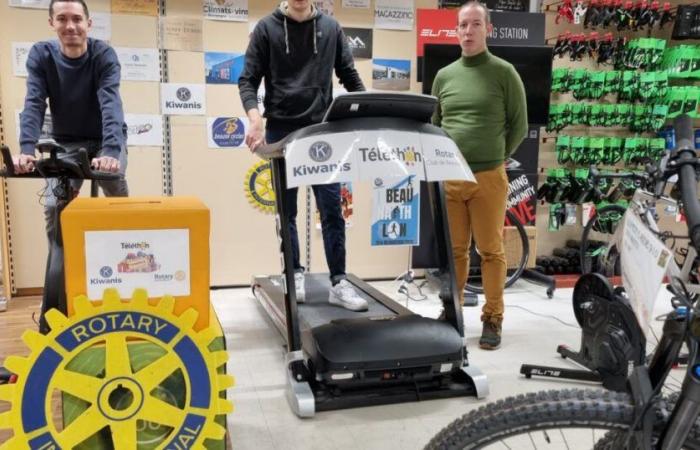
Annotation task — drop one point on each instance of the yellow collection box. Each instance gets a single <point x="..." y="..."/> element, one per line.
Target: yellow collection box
<point x="157" y="243"/>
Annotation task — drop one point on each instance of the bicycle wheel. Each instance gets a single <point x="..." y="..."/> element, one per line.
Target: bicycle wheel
<point x="596" y="232"/>
<point x="568" y="419"/>
<point x="517" y="249"/>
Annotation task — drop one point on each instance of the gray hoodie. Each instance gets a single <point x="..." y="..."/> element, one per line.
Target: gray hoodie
<point x="297" y="60"/>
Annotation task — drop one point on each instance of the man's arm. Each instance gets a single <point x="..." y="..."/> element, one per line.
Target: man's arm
<point x="345" y="65"/>
<point x="110" y="104"/>
<point x="32" y="117"/>
<point x="257" y="57"/>
<point x="516" y="112"/>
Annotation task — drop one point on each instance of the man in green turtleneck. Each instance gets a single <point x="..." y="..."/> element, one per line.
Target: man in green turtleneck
<point x="482" y="108"/>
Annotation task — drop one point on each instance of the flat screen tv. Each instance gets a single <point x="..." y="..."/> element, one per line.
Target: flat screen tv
<point x="533" y="64"/>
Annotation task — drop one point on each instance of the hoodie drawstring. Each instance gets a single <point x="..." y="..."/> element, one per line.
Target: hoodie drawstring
<point x="286" y="34"/>
<point x="283" y="8"/>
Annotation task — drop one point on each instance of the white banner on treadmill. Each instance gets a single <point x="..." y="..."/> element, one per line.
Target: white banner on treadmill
<point x="442" y="159"/>
<point x="322" y="159"/>
<point x="388" y="153"/>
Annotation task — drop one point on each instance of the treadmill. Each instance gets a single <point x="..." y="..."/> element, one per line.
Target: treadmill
<point x="342" y="359"/>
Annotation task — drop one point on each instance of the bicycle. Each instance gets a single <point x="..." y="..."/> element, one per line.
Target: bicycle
<point x="639" y="418"/>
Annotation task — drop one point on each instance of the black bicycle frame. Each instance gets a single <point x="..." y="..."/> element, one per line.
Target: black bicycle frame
<point x="680" y="326"/>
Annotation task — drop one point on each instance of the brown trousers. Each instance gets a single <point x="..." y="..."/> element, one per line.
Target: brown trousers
<point x="477" y="210"/>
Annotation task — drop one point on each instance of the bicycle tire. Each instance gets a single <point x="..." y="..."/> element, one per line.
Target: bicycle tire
<point x="555" y="409"/>
<point x="512" y="274"/>
<point x="585" y="258"/>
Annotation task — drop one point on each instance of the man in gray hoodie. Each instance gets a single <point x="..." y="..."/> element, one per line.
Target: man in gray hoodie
<point x="295" y="49"/>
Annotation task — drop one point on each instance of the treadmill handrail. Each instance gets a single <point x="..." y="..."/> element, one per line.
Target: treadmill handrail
<point x="361" y="149"/>
<point x="370" y="124"/>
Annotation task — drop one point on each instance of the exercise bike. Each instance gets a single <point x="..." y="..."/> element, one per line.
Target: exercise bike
<point x="58" y="163"/>
<point x="62" y="165"/>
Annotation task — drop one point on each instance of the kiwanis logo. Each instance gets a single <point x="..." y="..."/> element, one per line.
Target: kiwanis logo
<point x="106" y="272"/>
<point x="320" y="151"/>
<point x="183" y="94"/>
<point x="228" y="131"/>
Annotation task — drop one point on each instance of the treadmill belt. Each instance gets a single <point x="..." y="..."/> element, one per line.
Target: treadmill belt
<point x="316" y="310"/>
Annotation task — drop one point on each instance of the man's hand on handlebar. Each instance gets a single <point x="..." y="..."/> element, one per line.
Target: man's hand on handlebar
<point x="23" y="163"/>
<point x="105" y="164"/>
<point x="255" y="137"/>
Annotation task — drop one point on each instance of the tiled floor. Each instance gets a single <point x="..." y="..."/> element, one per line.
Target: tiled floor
<point x="262" y="419"/>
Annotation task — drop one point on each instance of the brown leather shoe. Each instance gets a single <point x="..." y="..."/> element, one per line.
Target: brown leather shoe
<point x="490" y="335"/>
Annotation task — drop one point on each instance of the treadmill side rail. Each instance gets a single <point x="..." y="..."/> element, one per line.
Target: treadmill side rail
<point x="299" y="393"/>
<point x="481" y="383"/>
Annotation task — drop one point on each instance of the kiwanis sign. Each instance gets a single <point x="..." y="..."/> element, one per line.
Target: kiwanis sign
<point x="182" y="99"/>
<point x="368" y="154"/>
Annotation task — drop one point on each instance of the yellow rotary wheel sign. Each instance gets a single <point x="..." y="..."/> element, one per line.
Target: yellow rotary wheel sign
<point x="122" y="399"/>
<point x="259" y="189"/>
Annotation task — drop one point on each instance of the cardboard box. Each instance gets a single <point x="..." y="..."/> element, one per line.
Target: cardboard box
<point x="157" y="243"/>
<point x="513" y="246"/>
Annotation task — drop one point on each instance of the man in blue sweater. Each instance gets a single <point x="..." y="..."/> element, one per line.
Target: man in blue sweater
<point x="295" y="49"/>
<point x="80" y="77"/>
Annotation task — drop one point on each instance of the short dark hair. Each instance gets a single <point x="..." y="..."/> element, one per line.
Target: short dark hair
<point x="477" y="3"/>
<point x="82" y="2"/>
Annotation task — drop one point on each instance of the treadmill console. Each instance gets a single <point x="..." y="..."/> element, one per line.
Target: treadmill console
<point x="354" y="105"/>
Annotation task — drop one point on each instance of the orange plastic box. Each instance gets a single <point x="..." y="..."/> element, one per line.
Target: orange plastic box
<point x="157" y="243"/>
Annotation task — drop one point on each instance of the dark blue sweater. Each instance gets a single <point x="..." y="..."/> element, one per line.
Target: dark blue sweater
<point x="83" y="95"/>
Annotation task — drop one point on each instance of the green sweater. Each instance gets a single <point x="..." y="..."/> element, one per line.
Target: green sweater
<point x="482" y="107"/>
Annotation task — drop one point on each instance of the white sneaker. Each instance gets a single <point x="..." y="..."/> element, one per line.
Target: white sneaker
<point x="343" y="294"/>
<point x="299" y="285"/>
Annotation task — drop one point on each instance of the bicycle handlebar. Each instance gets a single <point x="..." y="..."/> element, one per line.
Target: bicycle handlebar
<point x="683" y="127"/>
<point x="686" y="162"/>
<point x="54" y="166"/>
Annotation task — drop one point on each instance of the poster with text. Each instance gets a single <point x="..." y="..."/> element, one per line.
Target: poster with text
<point x="391" y="74"/>
<point x="643" y="261"/>
<point x="20" y="53"/>
<point x="325" y="6"/>
<point x="229" y="10"/>
<point x="226" y="132"/>
<point x="38" y="4"/>
<point x="346" y="206"/>
<point x="356" y="4"/>
<point x="144" y="130"/>
<point x="139" y="64"/>
<point x="141" y="7"/>
<point x="396" y="211"/>
<point x="181" y="33"/>
<point x="101" y="26"/>
<point x="157" y="260"/>
<point x="394" y="14"/>
<point x="182" y="99"/>
<point x="223" y="68"/>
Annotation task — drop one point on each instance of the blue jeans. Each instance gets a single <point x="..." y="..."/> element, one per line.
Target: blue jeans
<point x="54" y="281"/>
<point x="332" y="221"/>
